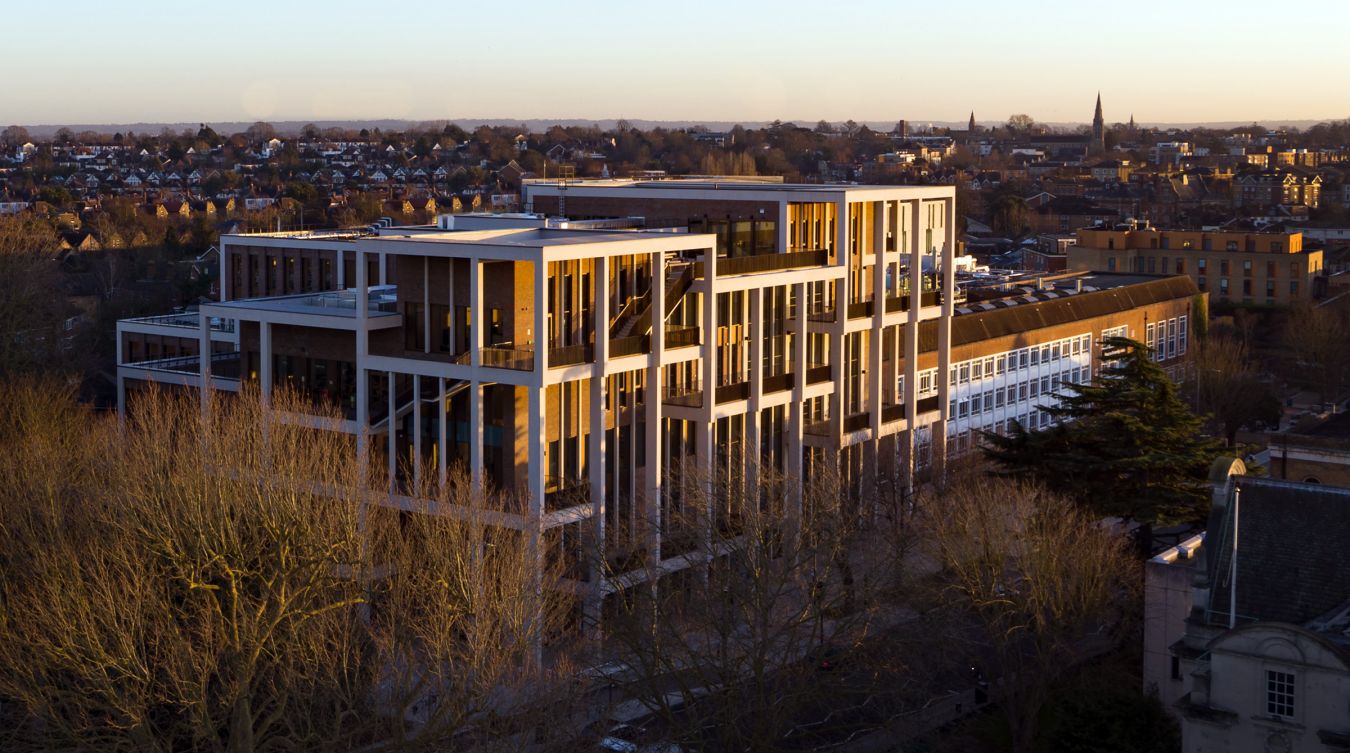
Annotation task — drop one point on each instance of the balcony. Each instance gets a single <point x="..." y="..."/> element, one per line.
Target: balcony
<point x="777" y="383"/>
<point x="223" y="365"/>
<point x="631" y="345"/>
<point x="570" y="355"/>
<point x="817" y="373"/>
<point x="505" y="356"/>
<point x="187" y="320"/>
<point x="688" y="394"/>
<point x="857" y="422"/>
<point x="562" y="493"/>
<point x="741" y="265"/>
<point x="859" y="310"/>
<point x="821" y="428"/>
<point x="730" y="393"/>
<point x="681" y="337"/>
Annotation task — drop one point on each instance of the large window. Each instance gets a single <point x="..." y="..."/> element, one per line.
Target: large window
<point x="1280" y="693"/>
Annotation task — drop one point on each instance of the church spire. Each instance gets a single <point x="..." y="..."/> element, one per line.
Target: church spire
<point x="971" y="127"/>
<point x="1098" y="127"/>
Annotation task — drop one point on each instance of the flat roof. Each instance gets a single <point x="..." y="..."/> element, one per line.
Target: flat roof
<point x="339" y="303"/>
<point x="547" y="238"/>
<point x="732" y="184"/>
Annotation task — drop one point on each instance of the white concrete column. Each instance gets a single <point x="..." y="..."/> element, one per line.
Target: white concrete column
<point x="426" y="304"/>
<point x="652" y="413"/>
<point x="541" y="342"/>
<point x="362" y="375"/>
<point x="204" y="359"/>
<point x="475" y="313"/>
<point x="417" y="431"/>
<point x="595" y="449"/>
<point x="782" y="230"/>
<point x="796" y="410"/>
<point x="442" y="432"/>
<point x="948" y="261"/>
<point x="384" y="268"/>
<point x="534" y="530"/>
<point x="874" y="335"/>
<point x="340" y="273"/>
<point x="476" y="433"/>
<point x="914" y="253"/>
<point x="709" y="333"/>
<point x="226" y="279"/>
<point x="391" y="426"/>
<point x="753" y="416"/>
<point x="450" y="305"/>
<point x="843" y="292"/>
<point x="265" y="375"/>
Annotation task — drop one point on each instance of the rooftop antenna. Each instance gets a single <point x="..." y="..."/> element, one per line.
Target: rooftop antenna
<point x="1232" y="564"/>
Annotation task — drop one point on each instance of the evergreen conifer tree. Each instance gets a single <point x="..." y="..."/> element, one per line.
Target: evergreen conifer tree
<point x="1125" y="444"/>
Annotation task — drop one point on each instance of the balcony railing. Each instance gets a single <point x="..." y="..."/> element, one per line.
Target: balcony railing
<point x="629" y="346"/>
<point x="223" y="365"/>
<point x="860" y="309"/>
<point x="928" y="404"/>
<point x="777" y="383"/>
<point x="569" y="355"/>
<point x="740" y="265"/>
<point x="730" y="393"/>
<point x="892" y="412"/>
<point x="821" y="428"/>
<point x="186" y="320"/>
<point x="857" y="422"/>
<point x="680" y="337"/>
<point x="562" y="493"/>
<point x="507" y="357"/>
<point x="818" y="373"/>
<point x="688" y="394"/>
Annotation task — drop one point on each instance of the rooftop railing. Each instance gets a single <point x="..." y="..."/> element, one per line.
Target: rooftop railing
<point x="740" y="265"/>
<point x="223" y="365"/>
<point x="190" y="320"/>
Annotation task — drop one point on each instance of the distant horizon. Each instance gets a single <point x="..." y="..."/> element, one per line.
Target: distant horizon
<point x="534" y="125"/>
<point x="707" y="60"/>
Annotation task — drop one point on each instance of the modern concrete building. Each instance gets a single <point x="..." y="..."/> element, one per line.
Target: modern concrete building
<point x="1240" y="267"/>
<point x="580" y="368"/>
<point x="666" y="333"/>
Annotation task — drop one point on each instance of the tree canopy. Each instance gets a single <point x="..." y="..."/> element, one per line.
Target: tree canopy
<point x="1125" y="445"/>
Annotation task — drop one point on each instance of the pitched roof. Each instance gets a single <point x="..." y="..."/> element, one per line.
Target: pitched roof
<point x="1034" y="310"/>
<point x="1292" y="541"/>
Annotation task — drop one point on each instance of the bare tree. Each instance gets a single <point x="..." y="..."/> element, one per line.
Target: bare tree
<point x="32" y="310"/>
<point x="1030" y="582"/>
<point x="1226" y="385"/>
<point x="14" y="136"/>
<point x="226" y="583"/>
<point x="1318" y="338"/>
<point x="753" y="640"/>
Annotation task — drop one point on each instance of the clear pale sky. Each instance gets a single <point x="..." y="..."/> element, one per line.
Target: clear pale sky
<point x="98" y="61"/>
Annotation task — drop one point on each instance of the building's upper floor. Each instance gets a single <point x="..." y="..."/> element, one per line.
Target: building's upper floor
<point x="1148" y="238"/>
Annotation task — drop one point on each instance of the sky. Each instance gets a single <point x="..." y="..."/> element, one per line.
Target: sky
<point x="150" y="61"/>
